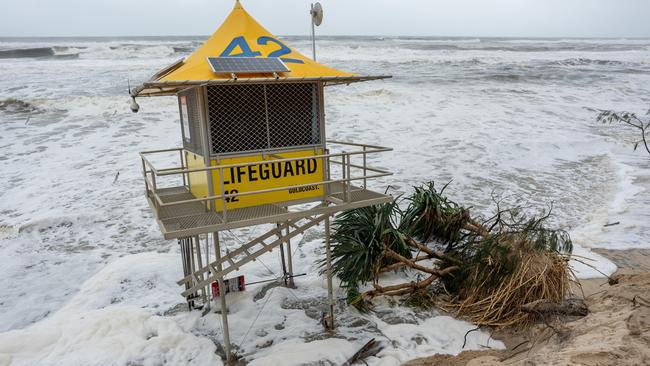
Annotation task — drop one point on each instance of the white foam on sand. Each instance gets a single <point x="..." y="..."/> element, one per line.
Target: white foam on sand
<point x="117" y="318"/>
<point x="439" y="334"/>
<point x="295" y="352"/>
<point x="617" y="225"/>
<point x="588" y="264"/>
<point x="117" y="335"/>
<point x="112" y="321"/>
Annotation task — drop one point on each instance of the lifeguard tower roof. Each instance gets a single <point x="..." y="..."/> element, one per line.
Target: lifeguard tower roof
<point x="242" y="36"/>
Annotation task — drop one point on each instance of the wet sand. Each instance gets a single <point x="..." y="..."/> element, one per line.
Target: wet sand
<point x="628" y="261"/>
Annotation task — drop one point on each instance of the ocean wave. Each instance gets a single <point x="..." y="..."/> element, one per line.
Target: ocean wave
<point x="641" y="41"/>
<point x="17" y="106"/>
<point x="405" y="47"/>
<point x="586" y="61"/>
<point x="381" y="92"/>
<point x="28" y="52"/>
<point x="185" y="49"/>
<point x="128" y="51"/>
<point x="67" y="56"/>
<point x="56" y="52"/>
<point x="96" y="51"/>
<point x="437" y="40"/>
<point x="497" y="47"/>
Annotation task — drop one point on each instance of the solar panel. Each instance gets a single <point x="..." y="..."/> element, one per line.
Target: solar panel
<point x="246" y="65"/>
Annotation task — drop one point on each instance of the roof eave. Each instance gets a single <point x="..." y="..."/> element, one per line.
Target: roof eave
<point x="160" y="88"/>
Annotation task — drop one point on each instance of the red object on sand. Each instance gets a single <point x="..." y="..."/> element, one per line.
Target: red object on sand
<point x="236" y="284"/>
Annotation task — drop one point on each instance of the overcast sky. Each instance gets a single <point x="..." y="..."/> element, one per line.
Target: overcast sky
<point x="514" y="18"/>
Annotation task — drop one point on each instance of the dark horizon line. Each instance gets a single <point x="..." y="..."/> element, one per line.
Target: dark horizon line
<point x="339" y="35"/>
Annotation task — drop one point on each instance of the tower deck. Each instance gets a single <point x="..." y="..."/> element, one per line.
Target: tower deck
<point x="180" y="214"/>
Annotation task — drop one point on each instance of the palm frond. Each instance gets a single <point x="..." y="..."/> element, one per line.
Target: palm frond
<point x="359" y="240"/>
<point x="430" y="215"/>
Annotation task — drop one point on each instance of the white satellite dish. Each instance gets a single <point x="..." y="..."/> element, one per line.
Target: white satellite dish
<point x="316" y="14"/>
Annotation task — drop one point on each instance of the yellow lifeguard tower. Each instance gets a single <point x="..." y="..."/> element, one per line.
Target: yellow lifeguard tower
<point x="253" y="152"/>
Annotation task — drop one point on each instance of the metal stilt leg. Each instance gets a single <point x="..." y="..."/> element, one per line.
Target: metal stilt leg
<point x="199" y="264"/>
<point x="208" y="287"/>
<point x="222" y="297"/>
<point x="289" y="259"/>
<point x="330" y="290"/>
<point x="283" y="262"/>
<point x="190" y="243"/>
<point x="185" y="257"/>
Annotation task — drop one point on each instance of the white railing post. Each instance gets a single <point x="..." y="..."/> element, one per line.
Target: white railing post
<point x="154" y="189"/>
<point x="182" y="167"/>
<point x="365" y="183"/>
<point x="144" y="175"/>
<point x="343" y="171"/>
<point x="223" y="198"/>
<point x="349" y="191"/>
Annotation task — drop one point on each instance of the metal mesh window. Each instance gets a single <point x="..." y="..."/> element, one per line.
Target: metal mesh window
<point x="237" y="118"/>
<point x="293" y="115"/>
<point x="250" y="117"/>
<point x="193" y="141"/>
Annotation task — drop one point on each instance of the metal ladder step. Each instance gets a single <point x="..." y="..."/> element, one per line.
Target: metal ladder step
<point x="262" y="248"/>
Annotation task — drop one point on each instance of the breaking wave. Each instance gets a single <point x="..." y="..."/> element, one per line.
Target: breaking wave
<point x="419" y="47"/>
<point x="28" y="52"/>
<point x="533" y="47"/>
<point x="587" y="61"/>
<point x="40" y="52"/>
<point x="17" y="106"/>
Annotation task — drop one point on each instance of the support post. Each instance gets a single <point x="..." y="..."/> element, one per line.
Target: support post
<point x="183" y="242"/>
<point x="289" y="258"/>
<point x="192" y="264"/>
<point x="330" y="290"/>
<point x="313" y="33"/>
<point x="283" y="262"/>
<point x="199" y="263"/>
<point x="208" y="287"/>
<point x="222" y="297"/>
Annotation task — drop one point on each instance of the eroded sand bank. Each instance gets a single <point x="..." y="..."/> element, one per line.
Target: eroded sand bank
<point x="616" y="332"/>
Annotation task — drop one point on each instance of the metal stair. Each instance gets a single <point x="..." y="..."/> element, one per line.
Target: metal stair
<point x="232" y="261"/>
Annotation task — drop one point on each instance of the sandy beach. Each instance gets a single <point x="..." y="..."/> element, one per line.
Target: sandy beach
<point x="616" y="331"/>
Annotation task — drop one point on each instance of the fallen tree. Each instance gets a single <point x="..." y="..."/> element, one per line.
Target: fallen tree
<point x="491" y="268"/>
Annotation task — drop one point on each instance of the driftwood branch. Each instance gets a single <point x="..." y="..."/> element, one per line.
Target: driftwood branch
<point x="574" y="307"/>
<point x="432" y="253"/>
<point x="369" y="349"/>
<point x="401" y="289"/>
<point x="392" y="254"/>
<point x="398" y="265"/>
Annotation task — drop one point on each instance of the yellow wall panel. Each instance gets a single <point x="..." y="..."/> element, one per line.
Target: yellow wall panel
<point x="270" y="174"/>
<point x="198" y="180"/>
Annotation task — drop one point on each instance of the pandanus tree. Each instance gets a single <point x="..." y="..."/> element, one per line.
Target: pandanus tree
<point x="490" y="267"/>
